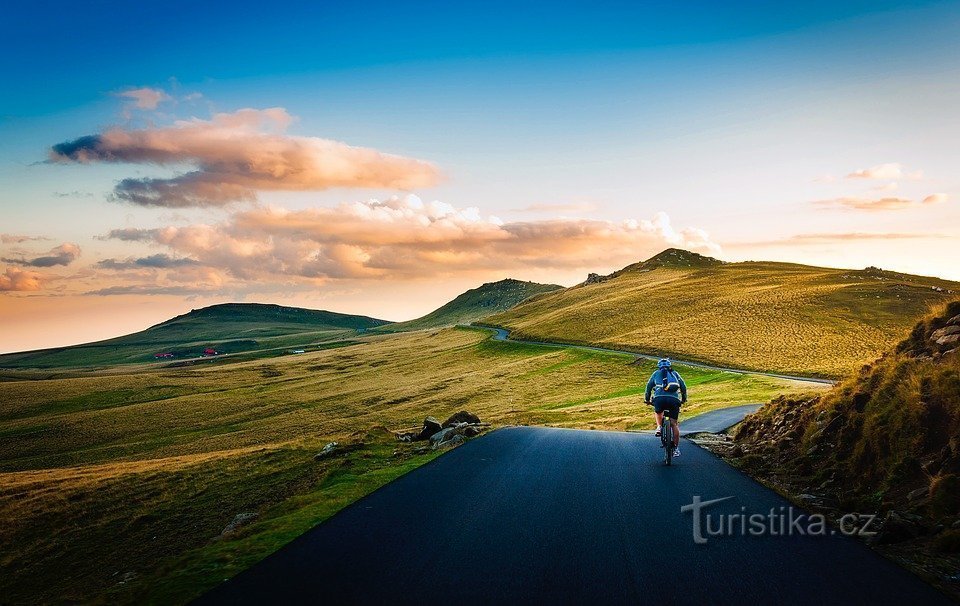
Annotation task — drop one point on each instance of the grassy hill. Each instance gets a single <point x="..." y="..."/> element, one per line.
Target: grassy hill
<point x="227" y="328"/>
<point x="886" y="441"/>
<point x="778" y="317"/>
<point x="115" y="485"/>
<point x="476" y="303"/>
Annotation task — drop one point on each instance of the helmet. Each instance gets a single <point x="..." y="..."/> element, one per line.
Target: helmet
<point x="664" y="363"/>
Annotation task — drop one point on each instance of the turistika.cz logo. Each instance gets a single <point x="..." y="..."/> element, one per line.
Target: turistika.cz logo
<point x="777" y="521"/>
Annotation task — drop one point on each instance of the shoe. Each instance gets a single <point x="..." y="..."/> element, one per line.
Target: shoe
<point x="676" y="452"/>
<point x="659" y="432"/>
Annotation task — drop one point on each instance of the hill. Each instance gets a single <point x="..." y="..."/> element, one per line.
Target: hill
<point x="884" y="441"/>
<point x="779" y="317"/>
<point x="476" y="303"/>
<point x="226" y="328"/>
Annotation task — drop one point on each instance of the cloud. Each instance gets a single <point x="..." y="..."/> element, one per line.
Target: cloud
<point x="130" y="234"/>
<point x="557" y="208"/>
<point x="237" y="155"/>
<point x="935" y="199"/>
<point x="886" y="172"/>
<point x="13" y="280"/>
<point x="404" y="237"/>
<point x="879" y="204"/>
<point x="145" y="97"/>
<point x="19" y="239"/>
<point x="832" y="238"/>
<point x="65" y="254"/>
<point x="158" y="261"/>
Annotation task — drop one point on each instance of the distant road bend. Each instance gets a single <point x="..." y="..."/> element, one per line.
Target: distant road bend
<point x="502" y="334"/>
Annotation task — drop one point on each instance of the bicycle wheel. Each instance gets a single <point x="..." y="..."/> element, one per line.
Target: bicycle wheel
<point x="667" y="444"/>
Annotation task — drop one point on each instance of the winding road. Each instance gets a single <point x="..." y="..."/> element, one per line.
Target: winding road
<point x="529" y="515"/>
<point x="502" y="334"/>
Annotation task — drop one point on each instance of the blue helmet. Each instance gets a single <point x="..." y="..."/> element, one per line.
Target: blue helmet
<point x="664" y="363"/>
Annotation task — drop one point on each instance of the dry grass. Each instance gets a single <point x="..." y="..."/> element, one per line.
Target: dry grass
<point x="763" y="316"/>
<point x="107" y="477"/>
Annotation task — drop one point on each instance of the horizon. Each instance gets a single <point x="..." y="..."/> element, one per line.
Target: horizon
<point x="436" y="306"/>
<point x="381" y="159"/>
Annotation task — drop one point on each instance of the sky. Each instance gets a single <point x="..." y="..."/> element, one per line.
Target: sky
<point x="381" y="157"/>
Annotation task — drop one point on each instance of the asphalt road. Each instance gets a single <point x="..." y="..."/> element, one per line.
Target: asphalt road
<point x="501" y="334"/>
<point x="542" y="515"/>
<point x="718" y="420"/>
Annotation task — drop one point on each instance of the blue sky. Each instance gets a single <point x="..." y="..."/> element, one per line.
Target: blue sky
<point x="747" y="121"/>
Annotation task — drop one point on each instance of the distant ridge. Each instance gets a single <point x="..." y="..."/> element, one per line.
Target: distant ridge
<point x="785" y="318"/>
<point x="224" y="328"/>
<point x="476" y="303"/>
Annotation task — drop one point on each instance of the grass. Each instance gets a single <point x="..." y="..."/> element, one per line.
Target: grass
<point x="774" y="317"/>
<point x="115" y="484"/>
<point x="232" y="328"/>
<point x="474" y="304"/>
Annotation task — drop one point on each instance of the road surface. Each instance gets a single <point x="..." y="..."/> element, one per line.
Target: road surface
<point x="718" y="420"/>
<point x="501" y="334"/>
<point x="556" y="516"/>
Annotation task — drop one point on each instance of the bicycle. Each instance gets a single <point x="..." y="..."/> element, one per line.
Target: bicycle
<point x="666" y="440"/>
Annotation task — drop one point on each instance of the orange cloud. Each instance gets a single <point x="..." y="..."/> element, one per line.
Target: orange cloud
<point x="236" y="155"/>
<point x="145" y="97"/>
<point x="14" y="279"/>
<point x="404" y="237"/>
<point x="878" y="204"/>
<point x="65" y="254"/>
<point x="887" y="172"/>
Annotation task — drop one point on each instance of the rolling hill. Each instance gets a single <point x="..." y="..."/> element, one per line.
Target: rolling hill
<point x="226" y="328"/>
<point x="476" y="303"/>
<point x="779" y="317"/>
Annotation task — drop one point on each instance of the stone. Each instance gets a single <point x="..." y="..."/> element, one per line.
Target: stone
<point x="442" y="435"/>
<point x="326" y="451"/>
<point x="241" y="519"/>
<point x="949" y="340"/>
<point x="955" y="320"/>
<point x="945" y="331"/>
<point x="471" y="431"/>
<point x="456" y="440"/>
<point x="898" y="527"/>
<point x="920" y="493"/>
<point x="461" y="417"/>
<point x="430" y="427"/>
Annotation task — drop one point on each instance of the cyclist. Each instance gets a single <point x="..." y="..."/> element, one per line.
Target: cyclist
<point x="669" y="392"/>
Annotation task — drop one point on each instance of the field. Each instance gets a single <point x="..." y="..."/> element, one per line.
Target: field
<point x="238" y="327"/>
<point x="476" y="303"/>
<point x="115" y="485"/>
<point x="777" y="317"/>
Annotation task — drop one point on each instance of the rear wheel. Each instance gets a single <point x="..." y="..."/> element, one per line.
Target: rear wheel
<point x="667" y="440"/>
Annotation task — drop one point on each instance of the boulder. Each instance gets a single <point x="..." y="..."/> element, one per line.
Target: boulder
<point x="443" y="434"/>
<point x="461" y="417"/>
<point x="471" y="431"/>
<point x="949" y="340"/>
<point x="945" y="331"/>
<point x="899" y="527"/>
<point x="954" y="321"/>
<point x="241" y="519"/>
<point x="918" y="494"/>
<point x="456" y="440"/>
<point x="326" y="451"/>
<point x="430" y="427"/>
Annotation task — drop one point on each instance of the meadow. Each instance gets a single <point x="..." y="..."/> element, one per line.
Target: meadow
<point x="775" y="317"/>
<point x="116" y="484"/>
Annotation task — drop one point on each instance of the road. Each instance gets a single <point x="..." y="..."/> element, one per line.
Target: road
<point x="718" y="420"/>
<point x="545" y="515"/>
<point x="501" y="334"/>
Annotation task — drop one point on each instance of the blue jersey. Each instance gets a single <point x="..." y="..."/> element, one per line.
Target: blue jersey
<point x="658" y="386"/>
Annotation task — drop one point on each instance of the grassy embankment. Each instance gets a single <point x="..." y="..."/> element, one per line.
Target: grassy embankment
<point x="777" y="317"/>
<point x="116" y="485"/>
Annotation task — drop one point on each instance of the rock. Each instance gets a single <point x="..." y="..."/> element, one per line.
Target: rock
<point x="954" y="321"/>
<point x="471" y="431"/>
<point x="898" y="527"/>
<point x="461" y="417"/>
<point x="442" y="435"/>
<point x="456" y="440"/>
<point x="808" y="498"/>
<point x="949" y="339"/>
<point x="430" y="427"/>
<point x="241" y="519"/>
<point x="326" y="451"/>
<point x="956" y="525"/>
<point x="920" y="493"/>
<point x="946" y="330"/>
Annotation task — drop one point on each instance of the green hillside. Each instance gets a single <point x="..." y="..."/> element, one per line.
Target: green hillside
<point x="476" y="303"/>
<point x="768" y="316"/>
<point x="227" y="328"/>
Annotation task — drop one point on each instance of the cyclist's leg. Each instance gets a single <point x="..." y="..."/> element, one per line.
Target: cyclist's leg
<point x="675" y="424"/>
<point x="658" y="415"/>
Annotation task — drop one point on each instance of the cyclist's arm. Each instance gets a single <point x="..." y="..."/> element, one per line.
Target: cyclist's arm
<point x="646" y="395"/>
<point x="683" y="389"/>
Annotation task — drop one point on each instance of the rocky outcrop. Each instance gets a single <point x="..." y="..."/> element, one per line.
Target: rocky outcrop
<point x="327" y="451"/>
<point x="452" y="432"/>
<point x="241" y="519"/>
